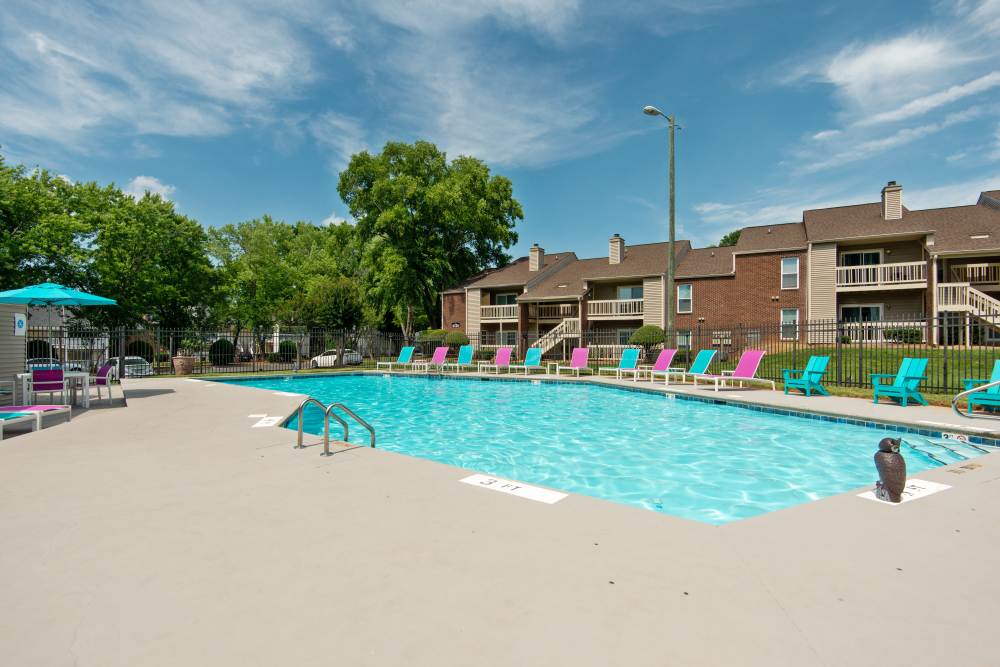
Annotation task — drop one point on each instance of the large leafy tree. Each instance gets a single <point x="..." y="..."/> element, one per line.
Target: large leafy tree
<point x="151" y="259"/>
<point x="424" y="223"/>
<point x="45" y="227"/>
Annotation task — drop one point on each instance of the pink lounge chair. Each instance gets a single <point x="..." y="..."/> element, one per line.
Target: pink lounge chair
<point x="501" y="360"/>
<point x="578" y="362"/>
<point x="660" y="366"/>
<point x="47" y="381"/>
<point x="745" y="371"/>
<point x="39" y="411"/>
<point x="437" y="359"/>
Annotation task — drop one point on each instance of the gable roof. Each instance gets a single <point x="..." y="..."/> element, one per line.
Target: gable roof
<point x="785" y="236"/>
<point x="516" y="274"/>
<point x="859" y="221"/>
<point x="640" y="261"/>
<point x="706" y="262"/>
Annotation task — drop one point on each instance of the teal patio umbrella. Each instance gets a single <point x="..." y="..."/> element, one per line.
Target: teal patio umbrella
<point x="52" y="294"/>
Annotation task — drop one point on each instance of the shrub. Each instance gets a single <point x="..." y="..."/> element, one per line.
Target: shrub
<point x="431" y="335"/>
<point x="139" y="348"/>
<point x="273" y="357"/>
<point x="222" y="352"/>
<point x="902" y="335"/>
<point x="456" y="338"/>
<point x="287" y="350"/>
<point x="647" y="336"/>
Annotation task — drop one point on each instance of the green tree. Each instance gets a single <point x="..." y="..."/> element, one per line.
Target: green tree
<point x="329" y="302"/>
<point x="150" y="259"/>
<point x="256" y="275"/>
<point x="46" y="226"/>
<point x="424" y="224"/>
<point x="730" y="239"/>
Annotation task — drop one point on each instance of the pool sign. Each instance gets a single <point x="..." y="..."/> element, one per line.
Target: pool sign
<point x="536" y="493"/>
<point x="20" y="324"/>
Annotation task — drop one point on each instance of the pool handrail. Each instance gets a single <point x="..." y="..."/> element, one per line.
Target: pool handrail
<point x="328" y="412"/>
<point x="962" y="394"/>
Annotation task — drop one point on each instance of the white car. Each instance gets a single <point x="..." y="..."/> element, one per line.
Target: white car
<point x="135" y="367"/>
<point x="329" y="359"/>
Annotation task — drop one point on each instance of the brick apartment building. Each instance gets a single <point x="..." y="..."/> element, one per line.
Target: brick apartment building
<point x="870" y="266"/>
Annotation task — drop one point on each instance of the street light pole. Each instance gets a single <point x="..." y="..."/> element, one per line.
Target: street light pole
<point x="671" y="291"/>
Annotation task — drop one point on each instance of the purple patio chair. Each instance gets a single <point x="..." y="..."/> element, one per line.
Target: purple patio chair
<point x="47" y="381"/>
<point x="103" y="379"/>
<point x="501" y="360"/>
<point x="578" y="362"/>
<point x="745" y="371"/>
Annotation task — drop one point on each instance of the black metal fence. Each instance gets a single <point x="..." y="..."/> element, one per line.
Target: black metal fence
<point x="958" y="347"/>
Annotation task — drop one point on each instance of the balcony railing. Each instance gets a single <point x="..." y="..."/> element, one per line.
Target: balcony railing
<point x="883" y="275"/>
<point x="554" y="311"/>
<point x="611" y="308"/>
<point x="976" y="274"/>
<point x="503" y="312"/>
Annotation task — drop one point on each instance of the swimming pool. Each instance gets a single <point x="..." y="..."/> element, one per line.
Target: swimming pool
<point x="693" y="459"/>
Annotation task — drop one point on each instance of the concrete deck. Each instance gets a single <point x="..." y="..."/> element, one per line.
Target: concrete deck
<point x="171" y="532"/>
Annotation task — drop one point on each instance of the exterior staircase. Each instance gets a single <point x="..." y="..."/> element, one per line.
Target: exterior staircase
<point x="568" y="328"/>
<point x="963" y="298"/>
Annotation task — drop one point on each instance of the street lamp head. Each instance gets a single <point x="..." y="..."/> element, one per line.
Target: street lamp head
<point x="652" y="111"/>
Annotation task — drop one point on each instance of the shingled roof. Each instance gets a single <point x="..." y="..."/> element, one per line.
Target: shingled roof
<point x="706" y="262"/>
<point x="641" y="260"/>
<point x="859" y="221"/>
<point x="786" y="236"/>
<point x="516" y="273"/>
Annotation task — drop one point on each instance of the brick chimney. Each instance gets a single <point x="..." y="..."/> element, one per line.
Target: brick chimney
<point x="616" y="249"/>
<point x="536" y="258"/>
<point x="892" y="201"/>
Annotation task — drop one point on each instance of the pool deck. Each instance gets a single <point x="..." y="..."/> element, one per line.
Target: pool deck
<point x="172" y="532"/>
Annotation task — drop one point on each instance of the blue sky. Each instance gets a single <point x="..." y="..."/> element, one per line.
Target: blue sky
<point x="241" y="109"/>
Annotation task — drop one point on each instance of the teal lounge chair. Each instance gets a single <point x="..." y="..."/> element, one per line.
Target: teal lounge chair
<point x="810" y="378"/>
<point x="405" y="358"/>
<point x="904" y="383"/>
<point x="989" y="398"/>
<point x="532" y="361"/>
<point x="700" y="366"/>
<point x="628" y="362"/>
<point x="464" y="359"/>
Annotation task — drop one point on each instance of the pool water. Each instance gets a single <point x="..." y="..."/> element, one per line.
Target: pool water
<point x="697" y="460"/>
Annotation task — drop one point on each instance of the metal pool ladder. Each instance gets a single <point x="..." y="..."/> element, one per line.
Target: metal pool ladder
<point x="962" y="394"/>
<point x="328" y="413"/>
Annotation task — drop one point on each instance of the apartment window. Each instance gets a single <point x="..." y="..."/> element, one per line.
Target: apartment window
<point x="684" y="298"/>
<point x="624" y="335"/>
<point x="506" y="338"/>
<point x="684" y="340"/>
<point x="790" y="273"/>
<point x="630" y="292"/>
<point x="789" y="323"/>
<point x="861" y="258"/>
<point x="861" y="313"/>
<point x="506" y="299"/>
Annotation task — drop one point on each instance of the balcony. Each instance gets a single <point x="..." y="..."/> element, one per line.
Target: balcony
<point x="615" y="309"/>
<point x="976" y="274"/>
<point x="506" y="312"/>
<point x="553" y="311"/>
<point x="902" y="275"/>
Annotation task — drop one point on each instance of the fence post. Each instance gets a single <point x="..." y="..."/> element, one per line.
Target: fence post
<point x="840" y="353"/>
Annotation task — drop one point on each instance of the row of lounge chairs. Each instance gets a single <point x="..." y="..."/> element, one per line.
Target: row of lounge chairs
<point x="902" y="386"/>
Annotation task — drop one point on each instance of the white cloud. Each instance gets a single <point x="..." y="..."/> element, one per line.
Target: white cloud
<point x="140" y="185"/>
<point x="922" y="105"/>
<point x="340" y="135"/>
<point x="335" y="219"/>
<point x="953" y="194"/>
<point x="181" y="68"/>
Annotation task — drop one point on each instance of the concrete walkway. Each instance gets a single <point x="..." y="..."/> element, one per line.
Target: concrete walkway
<point x="171" y="532"/>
